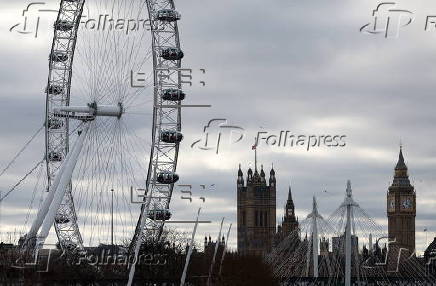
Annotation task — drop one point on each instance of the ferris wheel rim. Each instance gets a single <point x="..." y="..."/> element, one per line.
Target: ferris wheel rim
<point x="75" y="235"/>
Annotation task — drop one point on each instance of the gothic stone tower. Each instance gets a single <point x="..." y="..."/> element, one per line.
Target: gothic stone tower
<point x="290" y="222"/>
<point x="401" y="208"/>
<point x="256" y="212"/>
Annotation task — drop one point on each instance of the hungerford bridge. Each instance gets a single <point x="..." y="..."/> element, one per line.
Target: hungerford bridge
<point x="303" y="257"/>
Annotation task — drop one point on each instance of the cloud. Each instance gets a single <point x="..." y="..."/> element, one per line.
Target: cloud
<point x="281" y="65"/>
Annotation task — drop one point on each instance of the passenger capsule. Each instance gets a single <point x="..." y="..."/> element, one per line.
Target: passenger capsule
<point x="61" y="219"/>
<point x="55" y="123"/>
<point x="171" y="136"/>
<point x="159" y="214"/>
<point x="167" y="177"/>
<point x="54" y="89"/>
<point x="168" y="15"/>
<point x="55" y="156"/>
<point x="62" y="25"/>
<point x="59" y="57"/>
<point x="171" y="54"/>
<point x="173" y="94"/>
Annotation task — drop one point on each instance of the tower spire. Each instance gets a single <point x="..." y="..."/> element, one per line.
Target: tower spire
<point x="314" y="216"/>
<point x="289" y="208"/>
<point x="289" y="193"/>
<point x="401" y="165"/>
<point x="349" y="190"/>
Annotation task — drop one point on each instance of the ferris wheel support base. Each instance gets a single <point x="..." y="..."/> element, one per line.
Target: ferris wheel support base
<point x="42" y="213"/>
<point x="65" y="178"/>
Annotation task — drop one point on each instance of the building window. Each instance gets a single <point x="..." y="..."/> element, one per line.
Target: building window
<point x="243" y="218"/>
<point x="256" y="218"/>
<point x="266" y="219"/>
<point x="261" y="218"/>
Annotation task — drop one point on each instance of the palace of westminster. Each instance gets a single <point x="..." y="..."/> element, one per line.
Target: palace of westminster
<point x="257" y="232"/>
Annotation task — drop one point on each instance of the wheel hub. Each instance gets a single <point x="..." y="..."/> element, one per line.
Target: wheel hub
<point x="90" y="111"/>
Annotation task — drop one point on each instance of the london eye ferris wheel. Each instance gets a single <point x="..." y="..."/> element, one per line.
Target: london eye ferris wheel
<point x="105" y="136"/>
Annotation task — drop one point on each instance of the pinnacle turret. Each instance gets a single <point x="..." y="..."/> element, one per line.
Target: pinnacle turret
<point x="401" y="176"/>
<point x="401" y="165"/>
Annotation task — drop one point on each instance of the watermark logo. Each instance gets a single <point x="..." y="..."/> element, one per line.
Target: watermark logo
<point x="430" y="24"/>
<point x="35" y="12"/>
<point x="285" y="138"/>
<point x="138" y="196"/>
<point x="186" y="191"/>
<point x="394" y="257"/>
<point x="140" y="79"/>
<point x="106" y="258"/>
<point x="215" y="131"/>
<point x="106" y="22"/>
<point x="31" y="19"/>
<point x="40" y="260"/>
<point x="44" y="258"/>
<point x="388" y="20"/>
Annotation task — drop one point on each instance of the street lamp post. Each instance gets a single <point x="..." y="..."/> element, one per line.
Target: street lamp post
<point x="112" y="219"/>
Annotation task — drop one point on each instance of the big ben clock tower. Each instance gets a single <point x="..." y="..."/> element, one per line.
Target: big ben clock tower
<point x="401" y="208"/>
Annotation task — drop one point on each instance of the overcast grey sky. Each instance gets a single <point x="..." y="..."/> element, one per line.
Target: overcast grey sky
<point x="301" y="66"/>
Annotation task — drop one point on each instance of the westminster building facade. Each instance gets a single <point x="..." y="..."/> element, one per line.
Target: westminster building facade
<point x="256" y="199"/>
<point x="256" y="211"/>
<point x="258" y="232"/>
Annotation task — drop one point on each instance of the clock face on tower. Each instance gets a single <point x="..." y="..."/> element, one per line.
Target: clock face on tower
<point x="391" y="204"/>
<point x="406" y="203"/>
